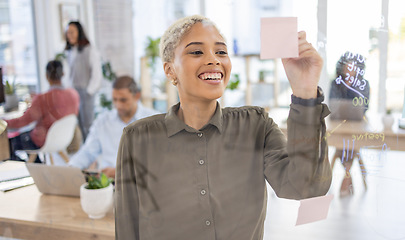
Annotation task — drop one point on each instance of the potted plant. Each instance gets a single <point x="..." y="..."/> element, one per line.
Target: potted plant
<point x="388" y="119"/>
<point x="152" y="51"/>
<point x="96" y="196"/>
<point x="108" y="73"/>
<point x="233" y="82"/>
<point x="11" y="96"/>
<point x="60" y="56"/>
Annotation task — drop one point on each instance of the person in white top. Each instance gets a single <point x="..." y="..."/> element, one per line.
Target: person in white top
<point x="85" y="72"/>
<point x="103" y="140"/>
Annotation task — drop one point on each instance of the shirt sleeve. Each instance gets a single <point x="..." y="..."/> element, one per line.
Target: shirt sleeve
<point x="91" y="149"/>
<point x="96" y="72"/>
<point x="126" y="193"/>
<point x="298" y="168"/>
<point x="32" y="114"/>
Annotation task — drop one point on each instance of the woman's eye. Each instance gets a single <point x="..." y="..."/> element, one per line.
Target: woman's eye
<point x="196" y="52"/>
<point x="222" y="52"/>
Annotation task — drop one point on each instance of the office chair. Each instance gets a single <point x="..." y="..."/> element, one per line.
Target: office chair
<point x="58" y="138"/>
<point x="356" y="154"/>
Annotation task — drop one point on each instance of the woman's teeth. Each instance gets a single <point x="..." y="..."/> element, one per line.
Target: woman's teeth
<point x="211" y="76"/>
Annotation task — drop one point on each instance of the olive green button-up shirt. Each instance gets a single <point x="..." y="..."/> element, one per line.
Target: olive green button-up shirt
<point x="174" y="182"/>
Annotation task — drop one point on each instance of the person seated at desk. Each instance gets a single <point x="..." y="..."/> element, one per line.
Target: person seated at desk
<point x="45" y="109"/>
<point x="105" y="133"/>
<point x="350" y="83"/>
<point x="349" y="99"/>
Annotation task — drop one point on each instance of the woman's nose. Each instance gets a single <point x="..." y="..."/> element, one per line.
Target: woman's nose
<point x="212" y="59"/>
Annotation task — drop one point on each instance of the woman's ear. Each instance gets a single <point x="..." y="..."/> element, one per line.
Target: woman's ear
<point x="169" y="71"/>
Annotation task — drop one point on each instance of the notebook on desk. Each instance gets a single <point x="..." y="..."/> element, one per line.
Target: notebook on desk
<point x="14" y="175"/>
<point x="57" y="180"/>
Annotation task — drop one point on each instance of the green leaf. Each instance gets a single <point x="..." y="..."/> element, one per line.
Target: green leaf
<point x="60" y="56"/>
<point x="98" y="182"/>
<point x="233" y="83"/>
<point x="104" y="180"/>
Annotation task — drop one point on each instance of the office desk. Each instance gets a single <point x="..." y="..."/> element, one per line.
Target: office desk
<point x="367" y="133"/>
<point x="22" y="106"/>
<point x="27" y="214"/>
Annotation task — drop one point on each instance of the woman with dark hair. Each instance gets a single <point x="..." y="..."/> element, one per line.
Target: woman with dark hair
<point x="85" y="72"/>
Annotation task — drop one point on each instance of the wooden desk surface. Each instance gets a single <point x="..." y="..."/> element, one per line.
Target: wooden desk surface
<point x="369" y="132"/>
<point x="27" y="214"/>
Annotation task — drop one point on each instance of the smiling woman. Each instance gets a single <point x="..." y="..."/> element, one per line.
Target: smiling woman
<point x="200" y="171"/>
<point x="201" y="69"/>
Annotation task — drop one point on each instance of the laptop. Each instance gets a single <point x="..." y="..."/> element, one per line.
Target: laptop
<point x="343" y="109"/>
<point x="57" y="180"/>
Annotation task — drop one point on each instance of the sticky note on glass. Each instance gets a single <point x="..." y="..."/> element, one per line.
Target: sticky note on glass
<point x="313" y="209"/>
<point x="279" y="37"/>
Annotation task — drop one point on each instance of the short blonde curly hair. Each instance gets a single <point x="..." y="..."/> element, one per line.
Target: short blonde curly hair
<point x="173" y="35"/>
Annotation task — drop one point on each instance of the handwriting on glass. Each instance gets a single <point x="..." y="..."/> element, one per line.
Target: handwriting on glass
<point x="352" y="81"/>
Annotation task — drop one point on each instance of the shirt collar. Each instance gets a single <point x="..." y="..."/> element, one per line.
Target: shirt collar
<point x="56" y="87"/>
<point x="136" y="116"/>
<point x="139" y="112"/>
<point x="175" y="125"/>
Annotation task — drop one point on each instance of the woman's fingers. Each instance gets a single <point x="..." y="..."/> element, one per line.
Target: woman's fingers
<point x="305" y="47"/>
<point x="302" y="34"/>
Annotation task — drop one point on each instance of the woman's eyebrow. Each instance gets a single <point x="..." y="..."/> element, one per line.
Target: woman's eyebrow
<point x="193" y="43"/>
<point x="201" y="43"/>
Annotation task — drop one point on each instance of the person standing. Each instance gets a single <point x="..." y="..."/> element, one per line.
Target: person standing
<point x="85" y="73"/>
<point x="199" y="171"/>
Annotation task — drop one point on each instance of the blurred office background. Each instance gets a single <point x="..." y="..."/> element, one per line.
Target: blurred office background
<point x="32" y="32"/>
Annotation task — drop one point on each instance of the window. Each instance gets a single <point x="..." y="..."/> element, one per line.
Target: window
<point x="17" y="46"/>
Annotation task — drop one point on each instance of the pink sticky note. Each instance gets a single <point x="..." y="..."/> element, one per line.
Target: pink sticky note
<point x="313" y="209"/>
<point x="279" y="38"/>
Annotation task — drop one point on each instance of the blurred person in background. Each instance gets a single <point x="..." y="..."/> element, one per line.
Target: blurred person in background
<point x="45" y="109"/>
<point x="102" y="142"/>
<point x="349" y="99"/>
<point x="85" y="73"/>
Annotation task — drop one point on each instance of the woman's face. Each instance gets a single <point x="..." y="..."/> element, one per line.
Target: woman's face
<point x="201" y="64"/>
<point x="72" y="34"/>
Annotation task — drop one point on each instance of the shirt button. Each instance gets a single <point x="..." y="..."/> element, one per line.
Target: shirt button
<point x="203" y="192"/>
<point x="201" y="162"/>
<point x="199" y="134"/>
<point x="207" y="223"/>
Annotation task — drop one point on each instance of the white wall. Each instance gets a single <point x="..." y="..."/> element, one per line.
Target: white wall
<point x="114" y="32"/>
